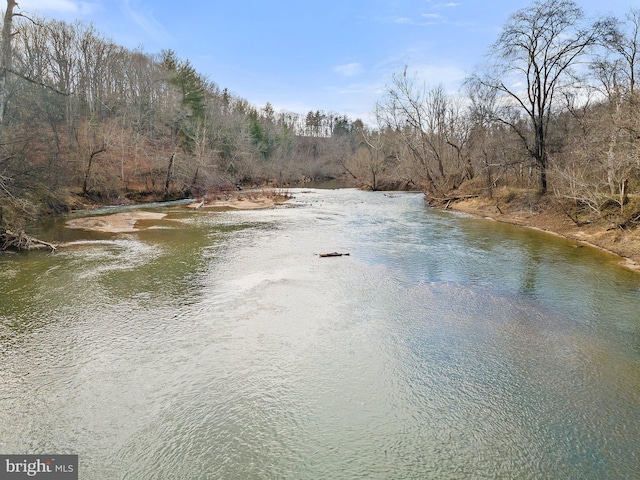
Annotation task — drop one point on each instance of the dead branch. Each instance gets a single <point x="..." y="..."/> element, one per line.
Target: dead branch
<point x="447" y="200"/>
<point x="22" y="242"/>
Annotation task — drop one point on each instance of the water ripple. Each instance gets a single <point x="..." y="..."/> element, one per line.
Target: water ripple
<point x="442" y="347"/>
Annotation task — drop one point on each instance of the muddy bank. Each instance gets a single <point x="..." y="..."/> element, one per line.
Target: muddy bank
<point x="546" y="214"/>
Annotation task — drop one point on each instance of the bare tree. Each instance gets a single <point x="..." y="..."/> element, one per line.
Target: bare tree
<point x="626" y="45"/>
<point x="369" y="160"/>
<point x="533" y="59"/>
<point x="6" y="57"/>
<point x="430" y="126"/>
<point x="613" y="123"/>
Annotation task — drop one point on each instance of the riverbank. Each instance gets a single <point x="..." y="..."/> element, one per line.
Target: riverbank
<point x="134" y="221"/>
<point x="545" y="213"/>
<point x="249" y="200"/>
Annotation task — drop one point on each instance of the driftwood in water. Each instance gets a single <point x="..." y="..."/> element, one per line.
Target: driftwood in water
<point x="21" y="241"/>
<point x="334" y="254"/>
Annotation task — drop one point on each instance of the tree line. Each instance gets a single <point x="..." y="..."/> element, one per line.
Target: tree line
<point x="86" y="119"/>
<point x="555" y="109"/>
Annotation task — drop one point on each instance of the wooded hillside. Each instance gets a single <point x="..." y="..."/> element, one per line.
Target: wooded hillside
<point x="88" y="120"/>
<point x="556" y="110"/>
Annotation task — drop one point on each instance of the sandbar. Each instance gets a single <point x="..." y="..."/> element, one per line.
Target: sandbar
<point x="124" y="222"/>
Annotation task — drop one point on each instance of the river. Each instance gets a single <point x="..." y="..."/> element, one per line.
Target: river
<point x="218" y="344"/>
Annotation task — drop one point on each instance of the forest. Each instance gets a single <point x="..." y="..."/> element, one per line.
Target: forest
<point x="555" y="111"/>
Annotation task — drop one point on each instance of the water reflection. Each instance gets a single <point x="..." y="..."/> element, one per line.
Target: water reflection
<point x="531" y="270"/>
<point x="442" y="347"/>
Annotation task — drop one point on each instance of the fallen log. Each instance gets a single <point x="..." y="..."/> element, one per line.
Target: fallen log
<point x="334" y="254"/>
<point x="21" y="242"/>
<point x="447" y="200"/>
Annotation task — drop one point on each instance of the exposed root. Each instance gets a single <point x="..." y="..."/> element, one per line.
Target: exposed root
<point x="22" y="242"/>
<point x="446" y="201"/>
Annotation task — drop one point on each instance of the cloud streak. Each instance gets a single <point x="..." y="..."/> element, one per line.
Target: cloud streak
<point x="146" y="21"/>
<point x="426" y="20"/>
<point x="449" y="76"/>
<point x="446" y="5"/>
<point x="349" y="69"/>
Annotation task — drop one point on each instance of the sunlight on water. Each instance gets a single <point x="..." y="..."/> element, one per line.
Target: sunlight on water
<point x="222" y="346"/>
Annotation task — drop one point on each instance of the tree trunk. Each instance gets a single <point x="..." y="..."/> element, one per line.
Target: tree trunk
<point x="195" y="178"/>
<point x="541" y="154"/>
<point x="5" y="60"/>
<point x="87" y="174"/>
<point x="543" y="179"/>
<point x="169" y="169"/>
<point x="624" y="194"/>
<point x="487" y="166"/>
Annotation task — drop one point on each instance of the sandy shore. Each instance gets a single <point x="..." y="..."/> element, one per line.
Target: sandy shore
<point x="253" y="200"/>
<point x="127" y="222"/>
<point x="624" y="244"/>
<point x="116" y="223"/>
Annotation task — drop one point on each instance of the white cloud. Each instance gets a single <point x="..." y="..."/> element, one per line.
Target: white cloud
<point x="402" y="20"/>
<point x="425" y="20"/>
<point x="349" y="70"/>
<point x="447" y="5"/>
<point x="63" y="6"/>
<point x="373" y="88"/>
<point x="429" y="68"/>
<point x="448" y="75"/>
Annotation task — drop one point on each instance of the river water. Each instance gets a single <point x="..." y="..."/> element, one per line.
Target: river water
<point x="218" y="344"/>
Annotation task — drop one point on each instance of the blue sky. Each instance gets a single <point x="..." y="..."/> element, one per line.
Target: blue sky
<point x="309" y="55"/>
